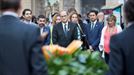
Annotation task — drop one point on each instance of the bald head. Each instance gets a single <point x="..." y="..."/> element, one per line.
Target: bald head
<point x="64" y="17"/>
<point x="100" y="16"/>
<point x="63" y="12"/>
<point x="101" y="13"/>
<point x="10" y="4"/>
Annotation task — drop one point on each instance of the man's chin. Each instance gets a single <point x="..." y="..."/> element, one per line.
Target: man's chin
<point x="41" y="25"/>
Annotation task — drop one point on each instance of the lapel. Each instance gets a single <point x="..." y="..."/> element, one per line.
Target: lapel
<point x="96" y="26"/>
<point x="61" y="28"/>
<point x="69" y="29"/>
<point x="45" y="29"/>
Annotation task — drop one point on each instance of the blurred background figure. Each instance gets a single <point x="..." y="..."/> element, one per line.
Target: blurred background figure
<point x="56" y="19"/>
<point x="81" y="29"/>
<point x="27" y="17"/>
<point x="122" y="45"/>
<point x="20" y="46"/>
<point x="100" y="16"/>
<point x="110" y="29"/>
<point x="70" y="10"/>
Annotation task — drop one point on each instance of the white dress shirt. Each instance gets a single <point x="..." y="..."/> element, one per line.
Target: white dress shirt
<point x="93" y="24"/>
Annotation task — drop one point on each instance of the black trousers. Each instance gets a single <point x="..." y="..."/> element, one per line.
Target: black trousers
<point x="107" y="57"/>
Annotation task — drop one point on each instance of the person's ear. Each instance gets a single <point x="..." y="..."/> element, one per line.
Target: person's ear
<point x="37" y="21"/>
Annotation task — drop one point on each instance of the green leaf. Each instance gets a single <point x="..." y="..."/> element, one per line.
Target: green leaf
<point x="80" y="63"/>
<point x="62" y="72"/>
<point x="57" y="61"/>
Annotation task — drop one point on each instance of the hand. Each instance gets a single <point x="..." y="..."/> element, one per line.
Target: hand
<point x="101" y="47"/>
<point x="91" y="48"/>
<point x="43" y="35"/>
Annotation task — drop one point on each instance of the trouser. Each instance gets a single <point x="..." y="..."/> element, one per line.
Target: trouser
<point x="107" y="57"/>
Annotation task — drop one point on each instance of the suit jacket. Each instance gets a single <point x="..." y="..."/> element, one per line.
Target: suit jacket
<point x="122" y="53"/>
<point x="47" y="39"/>
<point x="59" y="37"/>
<point x="20" y="52"/>
<point x="93" y="35"/>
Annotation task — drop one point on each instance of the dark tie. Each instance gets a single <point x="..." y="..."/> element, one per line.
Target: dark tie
<point x="65" y="29"/>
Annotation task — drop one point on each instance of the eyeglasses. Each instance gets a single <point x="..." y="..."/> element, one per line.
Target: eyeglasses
<point x="64" y="16"/>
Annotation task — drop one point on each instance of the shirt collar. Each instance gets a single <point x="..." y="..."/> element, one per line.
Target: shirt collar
<point x="10" y="13"/>
<point x="65" y="23"/>
<point x="94" y="22"/>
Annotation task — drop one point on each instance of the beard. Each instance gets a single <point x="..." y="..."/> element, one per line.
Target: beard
<point x="41" y="25"/>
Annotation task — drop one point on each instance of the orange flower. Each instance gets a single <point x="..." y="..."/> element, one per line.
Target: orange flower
<point x="52" y="50"/>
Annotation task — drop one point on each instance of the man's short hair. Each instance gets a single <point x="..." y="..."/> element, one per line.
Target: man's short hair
<point x="24" y="11"/>
<point x="8" y="4"/>
<point x="94" y="11"/>
<point x="41" y="16"/>
<point x="129" y="10"/>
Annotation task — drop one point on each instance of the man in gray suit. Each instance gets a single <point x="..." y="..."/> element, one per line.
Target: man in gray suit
<point x="20" y="52"/>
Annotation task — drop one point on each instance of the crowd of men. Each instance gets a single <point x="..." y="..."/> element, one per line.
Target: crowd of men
<point x="21" y="38"/>
<point x="66" y="30"/>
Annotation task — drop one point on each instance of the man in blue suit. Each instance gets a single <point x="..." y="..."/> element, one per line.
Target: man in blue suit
<point x="93" y="30"/>
<point x="44" y="29"/>
<point x="20" y="45"/>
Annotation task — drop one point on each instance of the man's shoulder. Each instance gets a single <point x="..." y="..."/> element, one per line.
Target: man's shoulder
<point x="27" y="27"/>
<point x="120" y="37"/>
<point x="100" y="24"/>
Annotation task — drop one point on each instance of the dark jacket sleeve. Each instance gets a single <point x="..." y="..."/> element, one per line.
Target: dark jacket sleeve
<point x="116" y="64"/>
<point x="37" y="60"/>
<point x="54" y="35"/>
<point x="75" y="32"/>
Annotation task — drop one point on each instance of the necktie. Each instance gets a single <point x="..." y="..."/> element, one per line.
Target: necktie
<point x="92" y="25"/>
<point x="65" y="29"/>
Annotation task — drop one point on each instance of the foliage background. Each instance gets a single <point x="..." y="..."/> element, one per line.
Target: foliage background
<point x="79" y="63"/>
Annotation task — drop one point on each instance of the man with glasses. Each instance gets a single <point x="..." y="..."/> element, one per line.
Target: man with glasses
<point x="64" y="32"/>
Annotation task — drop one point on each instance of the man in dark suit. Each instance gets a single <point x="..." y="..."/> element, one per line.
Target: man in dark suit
<point x="64" y="32"/>
<point x="122" y="46"/>
<point x="20" y="52"/>
<point x="94" y="30"/>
